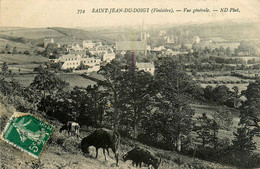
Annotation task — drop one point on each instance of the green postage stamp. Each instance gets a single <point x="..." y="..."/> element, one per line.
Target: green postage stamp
<point x="27" y="133"/>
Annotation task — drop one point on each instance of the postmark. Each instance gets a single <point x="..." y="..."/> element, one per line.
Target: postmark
<point x="27" y="133"/>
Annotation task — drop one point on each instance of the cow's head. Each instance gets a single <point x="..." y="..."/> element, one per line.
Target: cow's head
<point x="156" y="163"/>
<point x="125" y="157"/>
<point x="84" y="146"/>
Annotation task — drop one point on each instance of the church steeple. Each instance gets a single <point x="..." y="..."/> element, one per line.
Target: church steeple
<point x="143" y="32"/>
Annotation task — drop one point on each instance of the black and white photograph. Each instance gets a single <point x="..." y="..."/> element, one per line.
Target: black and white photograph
<point x="129" y="84"/>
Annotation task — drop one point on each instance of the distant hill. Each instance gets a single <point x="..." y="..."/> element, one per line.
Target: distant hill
<point x="60" y="35"/>
<point x="30" y="33"/>
<point x="77" y="36"/>
<point x="228" y="31"/>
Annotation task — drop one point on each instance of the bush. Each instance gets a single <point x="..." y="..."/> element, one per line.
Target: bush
<point x="178" y="161"/>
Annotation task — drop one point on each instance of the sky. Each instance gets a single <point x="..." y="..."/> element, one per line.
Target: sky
<point x="63" y="13"/>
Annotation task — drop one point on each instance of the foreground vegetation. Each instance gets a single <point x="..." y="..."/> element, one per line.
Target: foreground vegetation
<point x="155" y="110"/>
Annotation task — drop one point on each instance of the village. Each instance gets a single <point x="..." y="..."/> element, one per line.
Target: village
<point x="177" y="91"/>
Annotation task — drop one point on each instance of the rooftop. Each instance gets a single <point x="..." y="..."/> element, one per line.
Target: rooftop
<point x="131" y="45"/>
<point x="144" y="65"/>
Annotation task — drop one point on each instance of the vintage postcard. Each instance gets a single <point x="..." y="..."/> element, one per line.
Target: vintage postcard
<point x="130" y="83"/>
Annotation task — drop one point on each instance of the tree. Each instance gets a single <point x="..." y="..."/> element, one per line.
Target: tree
<point x="207" y="130"/>
<point x="4" y="68"/>
<point x="48" y="83"/>
<point x="221" y="94"/>
<point x="228" y="51"/>
<point x="136" y="97"/>
<point x="246" y="46"/>
<point x="223" y="118"/>
<point x="250" y="109"/>
<point x="208" y="92"/>
<point x="112" y="74"/>
<point x="89" y="103"/>
<point x="176" y="90"/>
<point x="184" y="47"/>
<point x="243" y="141"/>
<point x="14" y="50"/>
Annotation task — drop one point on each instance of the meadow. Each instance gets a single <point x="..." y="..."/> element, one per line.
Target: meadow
<point x="22" y="59"/>
<point x="31" y="33"/>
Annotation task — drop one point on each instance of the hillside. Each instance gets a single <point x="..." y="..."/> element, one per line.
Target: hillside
<point x="31" y="33"/>
<point x="63" y="152"/>
<point x="77" y="36"/>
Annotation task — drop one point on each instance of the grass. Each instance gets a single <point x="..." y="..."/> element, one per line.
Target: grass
<point x="76" y="80"/>
<point x="19" y="46"/>
<point x="21" y="59"/>
<point x="222" y="78"/>
<point x="241" y="87"/>
<point x="73" y="79"/>
<point x="64" y="152"/>
<point x="25" y="80"/>
<point x="32" y="33"/>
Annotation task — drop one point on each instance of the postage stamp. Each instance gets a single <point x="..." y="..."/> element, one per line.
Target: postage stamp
<point x="27" y="133"/>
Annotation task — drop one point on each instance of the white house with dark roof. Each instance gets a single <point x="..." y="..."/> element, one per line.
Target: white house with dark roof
<point x="88" y="44"/>
<point x="76" y="47"/>
<point x="108" y="56"/>
<point x="91" y="61"/>
<point x="147" y="67"/>
<point x="73" y="61"/>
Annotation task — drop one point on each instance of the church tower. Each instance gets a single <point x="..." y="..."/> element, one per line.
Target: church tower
<point x="143" y="33"/>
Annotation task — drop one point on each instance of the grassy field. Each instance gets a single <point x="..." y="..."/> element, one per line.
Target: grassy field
<point x="73" y="79"/>
<point x="21" y="59"/>
<point x="221" y="78"/>
<point x="32" y="33"/>
<point x="76" y="80"/>
<point x="19" y="46"/>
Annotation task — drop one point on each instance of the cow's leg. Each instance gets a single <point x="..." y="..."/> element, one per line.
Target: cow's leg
<point x="133" y="163"/>
<point x="104" y="152"/>
<point x="77" y="132"/>
<point x="108" y="151"/>
<point x="140" y="164"/>
<point x="96" y="152"/>
<point x="116" y="159"/>
<point x="116" y="155"/>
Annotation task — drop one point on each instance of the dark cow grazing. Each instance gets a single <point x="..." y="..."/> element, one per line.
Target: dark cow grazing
<point x="102" y="138"/>
<point x="139" y="155"/>
<point x="71" y="127"/>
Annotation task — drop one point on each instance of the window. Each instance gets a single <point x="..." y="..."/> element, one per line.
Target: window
<point x="84" y="61"/>
<point x="95" y="61"/>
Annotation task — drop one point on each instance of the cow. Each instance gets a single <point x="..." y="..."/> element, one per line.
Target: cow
<point x="71" y="127"/>
<point x="102" y="138"/>
<point x="139" y="155"/>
